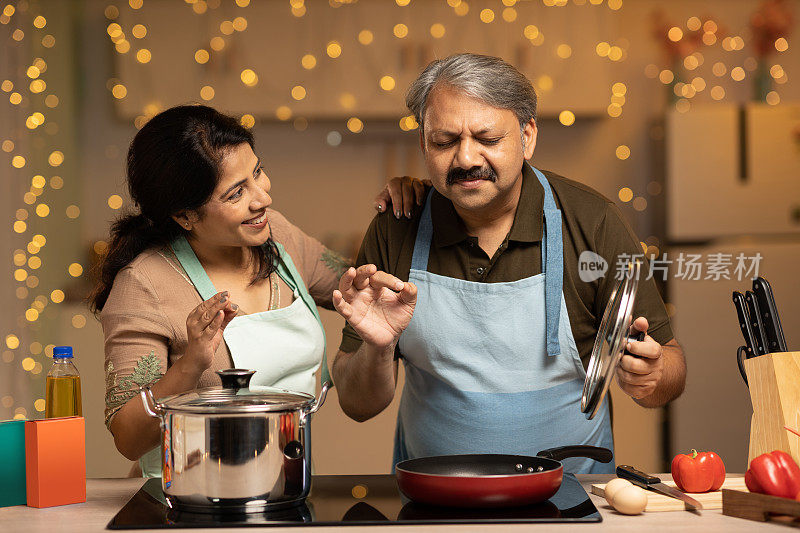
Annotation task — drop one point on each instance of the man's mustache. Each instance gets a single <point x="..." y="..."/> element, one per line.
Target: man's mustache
<point x="474" y="173"/>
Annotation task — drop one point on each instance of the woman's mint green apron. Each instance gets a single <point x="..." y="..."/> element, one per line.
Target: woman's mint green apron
<point x="493" y="367"/>
<point x="284" y="346"/>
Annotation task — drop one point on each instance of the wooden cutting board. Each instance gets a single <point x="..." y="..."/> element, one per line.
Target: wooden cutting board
<point x="659" y="502"/>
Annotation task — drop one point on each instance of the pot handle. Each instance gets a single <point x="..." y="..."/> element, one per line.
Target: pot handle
<point x="150" y="406"/>
<point x="317" y="403"/>
<point x="603" y="455"/>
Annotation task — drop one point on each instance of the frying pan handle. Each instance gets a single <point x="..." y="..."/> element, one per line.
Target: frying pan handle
<point x="603" y="455"/>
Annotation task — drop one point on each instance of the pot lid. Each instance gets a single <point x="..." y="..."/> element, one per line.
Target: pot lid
<point x="611" y="340"/>
<point x="236" y="396"/>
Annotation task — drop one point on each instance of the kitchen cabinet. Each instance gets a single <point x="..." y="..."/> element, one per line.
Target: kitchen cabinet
<point x="733" y="171"/>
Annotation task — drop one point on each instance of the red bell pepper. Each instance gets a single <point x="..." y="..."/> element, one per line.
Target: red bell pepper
<point x="774" y="473"/>
<point x="698" y="472"/>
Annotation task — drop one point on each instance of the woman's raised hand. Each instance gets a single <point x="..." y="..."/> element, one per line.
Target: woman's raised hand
<point x="401" y="194"/>
<point x="205" y="325"/>
<point x="378" y="305"/>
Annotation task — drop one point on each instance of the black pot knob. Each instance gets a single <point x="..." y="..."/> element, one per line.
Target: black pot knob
<point x="235" y="378"/>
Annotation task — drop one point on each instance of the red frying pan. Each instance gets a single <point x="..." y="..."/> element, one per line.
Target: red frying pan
<point x="487" y="480"/>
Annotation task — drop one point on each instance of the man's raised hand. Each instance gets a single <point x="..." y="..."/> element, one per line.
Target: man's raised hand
<point x="378" y="305"/>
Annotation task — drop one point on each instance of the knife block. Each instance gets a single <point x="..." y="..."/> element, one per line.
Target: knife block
<point x="774" y="381"/>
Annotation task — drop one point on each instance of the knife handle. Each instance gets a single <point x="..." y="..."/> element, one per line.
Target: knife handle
<point x="769" y="314"/>
<point x="631" y="474"/>
<point x="762" y="348"/>
<point x="744" y="323"/>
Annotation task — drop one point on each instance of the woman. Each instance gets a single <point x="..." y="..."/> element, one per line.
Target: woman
<point x="207" y="261"/>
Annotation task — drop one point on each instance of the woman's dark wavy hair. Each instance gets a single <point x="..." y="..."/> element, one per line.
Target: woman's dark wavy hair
<point x="173" y="166"/>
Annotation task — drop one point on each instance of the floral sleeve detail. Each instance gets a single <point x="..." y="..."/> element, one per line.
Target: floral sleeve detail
<point x="334" y="261"/>
<point x="118" y="393"/>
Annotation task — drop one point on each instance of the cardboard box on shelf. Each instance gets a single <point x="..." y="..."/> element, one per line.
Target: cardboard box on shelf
<point x="56" y="461"/>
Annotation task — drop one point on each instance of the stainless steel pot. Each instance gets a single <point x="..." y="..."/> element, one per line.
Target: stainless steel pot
<point x="235" y="448"/>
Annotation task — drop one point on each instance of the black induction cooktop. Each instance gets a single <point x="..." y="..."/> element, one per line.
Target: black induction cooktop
<point x="354" y="500"/>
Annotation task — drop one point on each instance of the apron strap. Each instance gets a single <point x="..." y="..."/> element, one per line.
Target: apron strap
<point x="195" y="271"/>
<point x="422" y="245"/>
<point x="286" y="270"/>
<point x="552" y="264"/>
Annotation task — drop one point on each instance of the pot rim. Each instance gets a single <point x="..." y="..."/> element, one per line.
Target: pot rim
<point x="299" y="401"/>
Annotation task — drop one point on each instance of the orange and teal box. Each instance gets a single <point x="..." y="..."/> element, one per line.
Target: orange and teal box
<point x="56" y="461"/>
<point x="12" y="462"/>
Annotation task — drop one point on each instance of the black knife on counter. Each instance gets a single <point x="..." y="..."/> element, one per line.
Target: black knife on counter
<point x="756" y="324"/>
<point x="646" y="481"/>
<point x="776" y="342"/>
<point x="744" y="323"/>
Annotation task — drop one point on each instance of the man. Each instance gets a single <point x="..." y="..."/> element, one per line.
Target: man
<point x="494" y="325"/>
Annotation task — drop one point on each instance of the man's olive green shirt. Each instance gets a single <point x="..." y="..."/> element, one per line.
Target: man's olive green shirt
<point x="590" y="221"/>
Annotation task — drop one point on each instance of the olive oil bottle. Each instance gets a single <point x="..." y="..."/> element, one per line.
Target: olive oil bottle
<point x="63" y="394"/>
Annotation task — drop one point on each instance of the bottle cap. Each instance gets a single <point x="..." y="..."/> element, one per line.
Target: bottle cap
<point x="62" y="351"/>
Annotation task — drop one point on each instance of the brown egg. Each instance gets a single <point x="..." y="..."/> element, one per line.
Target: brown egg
<point x="613" y="486"/>
<point x="629" y="500"/>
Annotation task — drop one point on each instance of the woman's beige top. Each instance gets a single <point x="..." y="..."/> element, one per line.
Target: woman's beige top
<point x="144" y="319"/>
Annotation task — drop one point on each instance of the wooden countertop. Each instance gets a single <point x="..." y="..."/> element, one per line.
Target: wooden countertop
<point x="106" y="496"/>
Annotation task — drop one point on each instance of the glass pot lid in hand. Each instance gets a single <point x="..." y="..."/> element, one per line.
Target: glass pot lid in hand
<point x="611" y="340"/>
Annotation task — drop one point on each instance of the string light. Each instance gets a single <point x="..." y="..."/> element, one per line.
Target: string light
<point x="55" y="158"/>
<point x="509" y="14"/>
<point x="298" y="92"/>
<point x="75" y="270"/>
<point x="283" y="113"/>
<point x="217" y="43"/>
<point x="387" y="83"/>
<point x="308" y="61"/>
<point x="139" y="31"/>
<point x="101" y="247"/>
<point x="347" y="101"/>
<point x="365" y="37"/>
<point x="207" y="92"/>
<point x="249" y="77"/>
<point x="78" y="321"/>
<point x="119" y="91"/>
<point x="202" y="56"/>
<point x="333" y="49"/>
<point x="355" y="125"/>
<point x="143" y="55"/>
<point x="115" y="201"/>
<point x="773" y="98"/>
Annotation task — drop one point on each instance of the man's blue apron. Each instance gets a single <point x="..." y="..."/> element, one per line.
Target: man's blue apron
<point x="493" y="367"/>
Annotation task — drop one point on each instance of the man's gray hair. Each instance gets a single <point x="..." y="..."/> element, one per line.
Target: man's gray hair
<point x="486" y="78"/>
